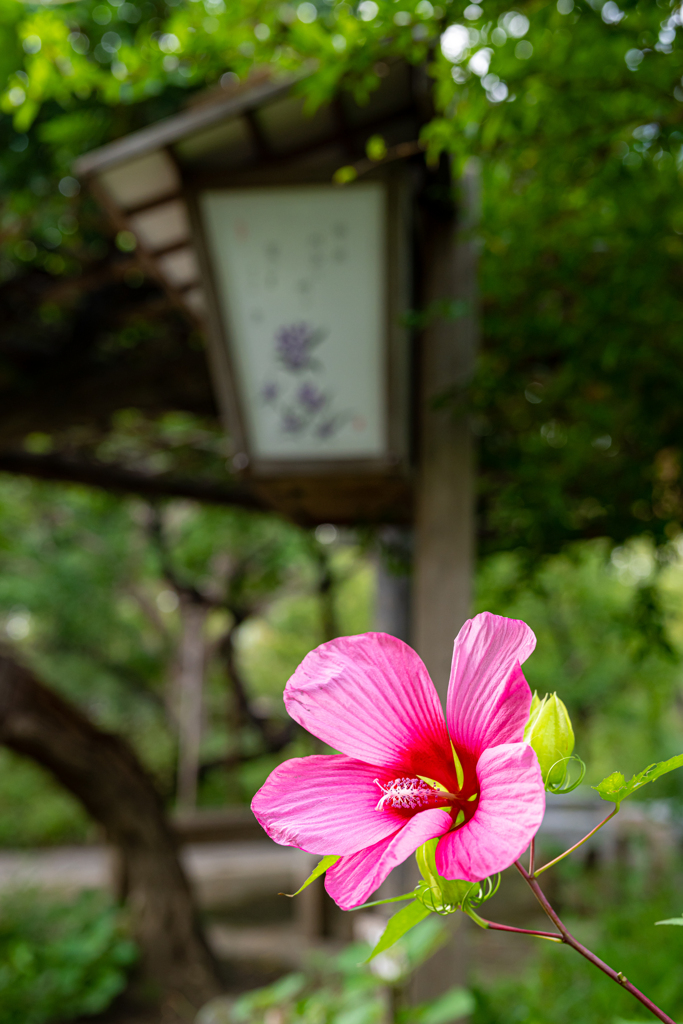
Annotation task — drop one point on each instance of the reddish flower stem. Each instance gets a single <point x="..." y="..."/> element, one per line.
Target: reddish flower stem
<point x="569" y="939"/>
<point x="520" y="931"/>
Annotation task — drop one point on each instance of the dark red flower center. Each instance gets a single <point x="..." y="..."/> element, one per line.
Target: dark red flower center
<point x="413" y="793"/>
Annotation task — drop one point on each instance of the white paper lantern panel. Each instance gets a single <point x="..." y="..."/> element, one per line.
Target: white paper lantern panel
<point x="301" y="280"/>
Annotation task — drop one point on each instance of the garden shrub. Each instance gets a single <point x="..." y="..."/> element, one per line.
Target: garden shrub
<point x="60" y="959"/>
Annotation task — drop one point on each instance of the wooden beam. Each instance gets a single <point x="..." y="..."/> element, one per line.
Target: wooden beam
<point x="117" y="478"/>
<point x="307" y="501"/>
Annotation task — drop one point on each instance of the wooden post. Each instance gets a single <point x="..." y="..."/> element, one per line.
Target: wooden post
<point x="444" y="527"/>
<point x="393" y="615"/>
<point x="392" y="600"/>
<point x="444" y="531"/>
<point x="190" y="684"/>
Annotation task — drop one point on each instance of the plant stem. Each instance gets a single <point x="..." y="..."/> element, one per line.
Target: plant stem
<point x="569" y="939"/>
<point x="532" y="848"/>
<point x="571" y="849"/>
<point x="519" y="931"/>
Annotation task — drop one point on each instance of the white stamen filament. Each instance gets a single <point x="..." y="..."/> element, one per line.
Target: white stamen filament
<point x="412" y="794"/>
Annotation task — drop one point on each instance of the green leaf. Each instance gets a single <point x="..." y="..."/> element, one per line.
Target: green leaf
<point x="320" y="869"/>
<point x="613" y="784"/>
<point x="391" y="899"/>
<point x="615" y="789"/>
<point x="671" y="920"/>
<point x="398" y="925"/>
<point x="452" y="1005"/>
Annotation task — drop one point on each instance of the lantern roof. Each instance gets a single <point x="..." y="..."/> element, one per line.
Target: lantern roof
<point x="240" y="135"/>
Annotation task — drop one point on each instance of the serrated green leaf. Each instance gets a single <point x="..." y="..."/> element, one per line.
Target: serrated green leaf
<point x="671" y="920"/>
<point x="615" y="789"/>
<point x="398" y="925"/>
<point x="320" y="869"/>
<point x="613" y="784"/>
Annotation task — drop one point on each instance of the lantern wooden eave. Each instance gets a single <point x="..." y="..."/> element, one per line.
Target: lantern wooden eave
<point x="259" y="135"/>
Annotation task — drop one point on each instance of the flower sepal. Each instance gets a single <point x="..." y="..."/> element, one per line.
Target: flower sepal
<point x="445" y="896"/>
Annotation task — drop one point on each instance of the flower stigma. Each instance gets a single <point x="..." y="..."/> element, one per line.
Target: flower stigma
<point x="413" y="794"/>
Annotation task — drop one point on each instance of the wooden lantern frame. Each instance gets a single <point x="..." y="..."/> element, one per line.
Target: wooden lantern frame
<point x="278" y="144"/>
<point x="395" y="343"/>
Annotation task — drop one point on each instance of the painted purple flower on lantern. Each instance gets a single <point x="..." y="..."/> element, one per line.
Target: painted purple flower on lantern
<point x="328" y="428"/>
<point x="311" y="397"/>
<point x="291" y="423"/>
<point x="269" y="392"/>
<point x="404" y="775"/>
<point x="294" y="345"/>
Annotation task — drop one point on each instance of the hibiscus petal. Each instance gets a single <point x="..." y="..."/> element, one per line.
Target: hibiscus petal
<point x="510" y="810"/>
<point x="352" y="879"/>
<point x="325" y="804"/>
<point x="370" y="697"/>
<point x="488" y="696"/>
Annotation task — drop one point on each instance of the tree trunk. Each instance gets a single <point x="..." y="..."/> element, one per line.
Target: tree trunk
<point x="104" y="773"/>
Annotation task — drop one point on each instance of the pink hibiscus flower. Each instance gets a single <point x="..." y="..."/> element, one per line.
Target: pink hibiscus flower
<point x="403" y="776"/>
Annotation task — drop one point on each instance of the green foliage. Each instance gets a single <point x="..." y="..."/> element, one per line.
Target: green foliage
<point x="615" y="788"/>
<point x="343" y="990"/>
<point x="34" y="809"/>
<point x="74" y="575"/>
<point x="452" y="1005"/>
<point x="399" y="924"/>
<point x="618" y="678"/>
<point x="320" y="869"/>
<point x="563" y="988"/>
<point x="576" y="386"/>
<point x="57" y="960"/>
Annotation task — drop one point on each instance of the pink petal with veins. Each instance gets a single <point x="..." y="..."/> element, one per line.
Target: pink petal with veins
<point x="353" y="879"/>
<point x="370" y="697"/>
<point x="325" y="804"/>
<point x="510" y="811"/>
<point x="488" y="696"/>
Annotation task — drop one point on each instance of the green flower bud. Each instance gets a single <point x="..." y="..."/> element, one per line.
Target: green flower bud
<point x="442" y="895"/>
<point x="549" y="731"/>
